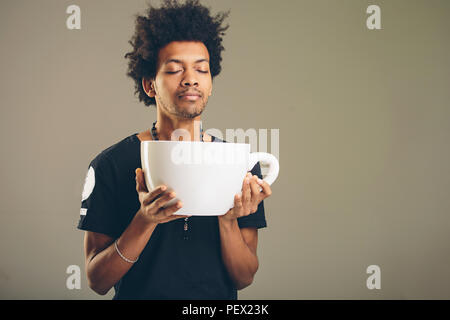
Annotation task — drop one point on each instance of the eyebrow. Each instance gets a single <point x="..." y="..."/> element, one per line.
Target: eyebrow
<point x="180" y="62"/>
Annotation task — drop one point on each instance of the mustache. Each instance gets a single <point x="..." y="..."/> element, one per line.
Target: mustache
<point x="189" y="91"/>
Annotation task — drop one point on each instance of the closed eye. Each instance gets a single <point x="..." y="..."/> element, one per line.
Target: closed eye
<point x="174" y="72"/>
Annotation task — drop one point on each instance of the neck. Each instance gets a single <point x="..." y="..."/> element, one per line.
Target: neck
<point x="167" y="124"/>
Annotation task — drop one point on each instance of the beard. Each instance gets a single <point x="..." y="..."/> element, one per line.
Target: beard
<point x="190" y="112"/>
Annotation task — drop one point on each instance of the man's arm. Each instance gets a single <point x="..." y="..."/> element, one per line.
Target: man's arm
<point x="239" y="252"/>
<point x="104" y="266"/>
<point x="239" y="245"/>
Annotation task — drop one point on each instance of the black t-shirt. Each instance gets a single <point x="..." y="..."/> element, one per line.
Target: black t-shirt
<point x="175" y="264"/>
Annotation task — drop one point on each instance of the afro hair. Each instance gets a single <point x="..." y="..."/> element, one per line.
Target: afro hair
<point x="173" y="21"/>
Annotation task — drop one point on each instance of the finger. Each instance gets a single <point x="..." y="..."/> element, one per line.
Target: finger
<point x="254" y="186"/>
<point x="161" y="201"/>
<point x="246" y="191"/>
<point x="266" y="190"/>
<point x="173" y="217"/>
<point x="256" y="193"/>
<point x="169" y="211"/>
<point x="150" y="197"/>
<point x="238" y="206"/>
<point x="246" y="181"/>
<point x="238" y="201"/>
<point x="140" y="181"/>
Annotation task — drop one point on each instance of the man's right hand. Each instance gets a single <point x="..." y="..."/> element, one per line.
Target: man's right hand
<point x="153" y="201"/>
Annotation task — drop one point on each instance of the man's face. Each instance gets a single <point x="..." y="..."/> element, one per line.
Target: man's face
<point x="183" y="80"/>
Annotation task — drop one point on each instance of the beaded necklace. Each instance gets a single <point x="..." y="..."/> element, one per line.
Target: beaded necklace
<point x="155" y="137"/>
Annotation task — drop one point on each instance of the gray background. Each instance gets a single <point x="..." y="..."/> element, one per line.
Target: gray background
<point x="364" y="130"/>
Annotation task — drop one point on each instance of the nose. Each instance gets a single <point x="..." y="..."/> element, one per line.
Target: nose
<point x="189" y="79"/>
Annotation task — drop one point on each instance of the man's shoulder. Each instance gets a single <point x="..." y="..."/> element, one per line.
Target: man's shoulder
<point x="118" y="151"/>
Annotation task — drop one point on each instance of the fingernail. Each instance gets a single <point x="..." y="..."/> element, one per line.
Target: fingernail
<point x="163" y="188"/>
<point x="259" y="181"/>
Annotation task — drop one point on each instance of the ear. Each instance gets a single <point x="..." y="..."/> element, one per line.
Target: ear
<point x="149" y="87"/>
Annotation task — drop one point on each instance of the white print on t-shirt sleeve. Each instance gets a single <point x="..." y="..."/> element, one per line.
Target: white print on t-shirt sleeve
<point x="89" y="184"/>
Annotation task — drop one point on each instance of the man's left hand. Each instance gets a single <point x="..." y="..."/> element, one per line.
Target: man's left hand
<point x="252" y="195"/>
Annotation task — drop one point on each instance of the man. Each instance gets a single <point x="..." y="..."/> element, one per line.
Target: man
<point x="133" y="242"/>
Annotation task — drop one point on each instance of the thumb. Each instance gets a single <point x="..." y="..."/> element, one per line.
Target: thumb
<point x="140" y="181"/>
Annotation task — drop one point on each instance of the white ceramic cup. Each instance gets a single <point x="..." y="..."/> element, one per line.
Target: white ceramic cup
<point x="204" y="175"/>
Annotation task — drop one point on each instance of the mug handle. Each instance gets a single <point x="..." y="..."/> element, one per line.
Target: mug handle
<point x="264" y="157"/>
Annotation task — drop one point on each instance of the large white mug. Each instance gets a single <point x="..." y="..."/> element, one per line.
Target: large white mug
<point x="204" y="175"/>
